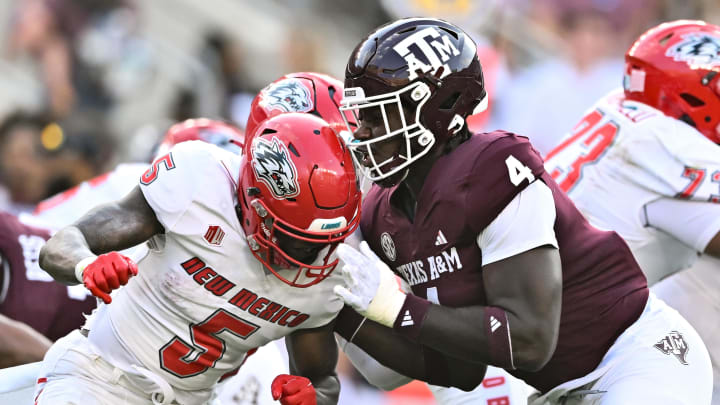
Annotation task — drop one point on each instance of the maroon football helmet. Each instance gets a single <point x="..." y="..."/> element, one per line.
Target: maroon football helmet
<point x="674" y="68"/>
<point x="426" y="71"/>
<point x="298" y="195"/>
<point x="307" y="92"/>
<point x="221" y="134"/>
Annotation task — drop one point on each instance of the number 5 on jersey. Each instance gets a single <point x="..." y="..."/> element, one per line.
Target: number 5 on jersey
<point x="152" y="173"/>
<point x="206" y="347"/>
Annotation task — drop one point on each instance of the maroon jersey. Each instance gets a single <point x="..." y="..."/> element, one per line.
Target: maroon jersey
<point x="28" y="293"/>
<point x="604" y="290"/>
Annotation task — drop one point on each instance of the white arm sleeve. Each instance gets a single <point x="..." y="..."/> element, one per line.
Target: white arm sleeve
<point x="694" y="223"/>
<point x="525" y="223"/>
<point x="669" y="157"/>
<point x="374" y="372"/>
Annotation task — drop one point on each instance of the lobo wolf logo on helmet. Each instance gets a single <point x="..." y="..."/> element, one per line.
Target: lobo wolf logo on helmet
<point x="697" y="49"/>
<point x="436" y="51"/>
<point x="272" y="166"/>
<point x="288" y="95"/>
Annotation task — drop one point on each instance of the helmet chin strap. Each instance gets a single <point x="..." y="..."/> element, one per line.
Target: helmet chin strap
<point x="402" y="176"/>
<point x="405" y="174"/>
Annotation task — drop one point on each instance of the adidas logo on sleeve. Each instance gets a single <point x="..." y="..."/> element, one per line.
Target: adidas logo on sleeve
<point x="440" y="239"/>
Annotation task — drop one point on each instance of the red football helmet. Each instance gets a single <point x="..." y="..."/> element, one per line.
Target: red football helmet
<point x="674" y="68"/>
<point x="224" y="135"/>
<point x="307" y="92"/>
<point x="299" y="196"/>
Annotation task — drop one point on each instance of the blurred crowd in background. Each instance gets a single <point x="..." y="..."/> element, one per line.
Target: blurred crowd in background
<point x="86" y="84"/>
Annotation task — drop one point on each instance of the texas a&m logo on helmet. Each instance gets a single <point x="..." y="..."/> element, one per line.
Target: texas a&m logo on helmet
<point x="273" y="167"/>
<point x="434" y="47"/>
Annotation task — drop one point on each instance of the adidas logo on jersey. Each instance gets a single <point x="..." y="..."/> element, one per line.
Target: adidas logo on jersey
<point x="407" y="319"/>
<point x="494" y="324"/>
<point x="440" y="240"/>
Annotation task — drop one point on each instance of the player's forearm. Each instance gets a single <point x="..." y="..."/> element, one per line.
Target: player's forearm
<point x="109" y="227"/>
<point x="20" y="344"/>
<point x="517" y="329"/>
<point x="327" y="389"/>
<point x="529" y="343"/>
<point x="408" y="358"/>
<point x="62" y="252"/>
<point x="390" y="349"/>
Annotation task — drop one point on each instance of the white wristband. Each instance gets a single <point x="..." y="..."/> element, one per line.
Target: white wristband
<point x="388" y="300"/>
<point x="80" y="267"/>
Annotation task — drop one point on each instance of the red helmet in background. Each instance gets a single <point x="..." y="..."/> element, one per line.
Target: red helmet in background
<point x="305" y="92"/>
<point x="299" y="196"/>
<point x="674" y="68"/>
<point x="221" y="134"/>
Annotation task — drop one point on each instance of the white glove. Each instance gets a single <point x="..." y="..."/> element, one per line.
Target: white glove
<point x="371" y="288"/>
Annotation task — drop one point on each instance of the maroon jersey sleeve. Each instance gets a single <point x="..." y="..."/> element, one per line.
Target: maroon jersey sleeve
<point x="29" y="294"/>
<point x="502" y="169"/>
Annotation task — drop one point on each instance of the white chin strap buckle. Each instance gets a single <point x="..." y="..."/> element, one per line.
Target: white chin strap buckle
<point x="456" y="124"/>
<point x="482" y="106"/>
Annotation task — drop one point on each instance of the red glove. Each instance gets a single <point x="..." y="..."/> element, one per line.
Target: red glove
<point x="293" y="390"/>
<point x="108" y="272"/>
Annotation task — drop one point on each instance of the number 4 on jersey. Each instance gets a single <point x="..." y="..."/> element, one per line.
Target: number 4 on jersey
<point x="518" y="171"/>
<point x="152" y="173"/>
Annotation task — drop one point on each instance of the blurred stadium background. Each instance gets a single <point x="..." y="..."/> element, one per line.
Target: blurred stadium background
<point x="86" y="84"/>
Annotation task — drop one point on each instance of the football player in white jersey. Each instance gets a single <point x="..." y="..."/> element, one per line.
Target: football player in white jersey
<point x="645" y="163"/>
<point x="233" y="241"/>
<point x="252" y="385"/>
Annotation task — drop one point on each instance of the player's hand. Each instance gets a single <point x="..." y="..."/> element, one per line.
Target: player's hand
<point x="108" y="272"/>
<point x="371" y="288"/>
<point x="293" y="390"/>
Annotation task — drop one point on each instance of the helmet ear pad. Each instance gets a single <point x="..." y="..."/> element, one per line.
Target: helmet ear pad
<point x="454" y="96"/>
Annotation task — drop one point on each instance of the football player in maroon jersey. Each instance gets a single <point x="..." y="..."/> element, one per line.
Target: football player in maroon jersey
<point x="503" y="268"/>
<point x="34" y="310"/>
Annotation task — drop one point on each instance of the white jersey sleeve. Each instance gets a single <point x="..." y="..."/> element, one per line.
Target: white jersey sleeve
<point x="525" y="223"/>
<point x="677" y="160"/>
<point x="168" y="184"/>
<point x="692" y="222"/>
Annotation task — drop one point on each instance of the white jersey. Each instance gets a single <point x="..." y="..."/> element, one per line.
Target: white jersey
<point x="201" y="300"/>
<point x="631" y="169"/>
<point x="64" y="208"/>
